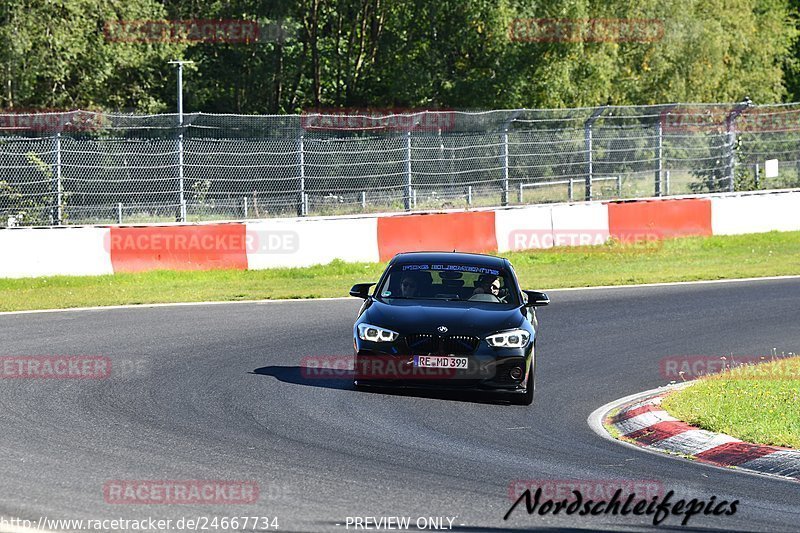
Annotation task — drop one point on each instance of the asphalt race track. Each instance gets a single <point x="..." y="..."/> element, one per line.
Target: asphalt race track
<point x="215" y="392"/>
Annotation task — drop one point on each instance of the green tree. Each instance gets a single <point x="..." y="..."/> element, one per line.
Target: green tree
<point x="57" y="54"/>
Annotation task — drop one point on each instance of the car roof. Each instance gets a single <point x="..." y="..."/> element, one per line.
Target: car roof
<point x="450" y="257"/>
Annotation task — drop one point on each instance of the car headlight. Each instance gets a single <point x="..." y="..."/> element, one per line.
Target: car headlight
<point x="516" y="338"/>
<point x="367" y="332"/>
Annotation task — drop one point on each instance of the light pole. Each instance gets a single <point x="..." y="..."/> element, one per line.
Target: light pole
<point x="182" y="200"/>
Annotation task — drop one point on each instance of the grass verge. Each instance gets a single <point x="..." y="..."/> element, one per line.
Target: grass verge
<point x="684" y="259"/>
<point x="754" y="403"/>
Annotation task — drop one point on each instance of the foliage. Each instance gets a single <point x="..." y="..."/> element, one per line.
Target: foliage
<point x="57" y="55"/>
<point x="400" y="53"/>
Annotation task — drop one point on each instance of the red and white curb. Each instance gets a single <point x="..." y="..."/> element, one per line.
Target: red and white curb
<point x="642" y="422"/>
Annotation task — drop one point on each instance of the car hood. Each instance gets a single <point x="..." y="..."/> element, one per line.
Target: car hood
<point x="414" y="316"/>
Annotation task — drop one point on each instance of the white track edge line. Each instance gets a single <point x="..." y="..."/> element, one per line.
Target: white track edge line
<point x="674" y="283"/>
<point x="281" y="300"/>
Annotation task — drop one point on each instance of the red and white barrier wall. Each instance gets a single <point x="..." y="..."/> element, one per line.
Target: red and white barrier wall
<point x="270" y="243"/>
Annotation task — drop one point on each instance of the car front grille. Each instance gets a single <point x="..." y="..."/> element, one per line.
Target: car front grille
<point x="443" y="345"/>
<point x="459" y="344"/>
<point x="422" y="344"/>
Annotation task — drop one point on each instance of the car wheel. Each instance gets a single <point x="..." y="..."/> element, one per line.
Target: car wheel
<point x="526" y="398"/>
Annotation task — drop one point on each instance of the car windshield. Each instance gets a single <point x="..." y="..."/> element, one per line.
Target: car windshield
<point x="449" y="282"/>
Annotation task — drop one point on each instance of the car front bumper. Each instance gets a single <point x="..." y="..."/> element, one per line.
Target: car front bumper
<point x="485" y="371"/>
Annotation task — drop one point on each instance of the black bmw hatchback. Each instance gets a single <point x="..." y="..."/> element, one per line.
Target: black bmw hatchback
<point x="447" y="321"/>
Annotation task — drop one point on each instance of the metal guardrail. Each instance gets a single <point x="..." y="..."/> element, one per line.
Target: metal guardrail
<point x="570" y="185"/>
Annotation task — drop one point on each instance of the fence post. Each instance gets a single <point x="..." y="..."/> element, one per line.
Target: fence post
<point x="731" y="156"/>
<point x="730" y="123"/>
<point x="181" y="194"/>
<point x="587" y="134"/>
<point x="757" y="176"/>
<point x="619" y="186"/>
<point x="659" y="156"/>
<point x="119" y="213"/>
<point x="57" y="214"/>
<point x="244" y="206"/>
<point x="520" y="195"/>
<point x="469" y="195"/>
<point x="363" y="199"/>
<point x="408" y="173"/>
<point x="666" y="183"/>
<point x="506" y="156"/>
<point x="570" y="188"/>
<point x="504" y="196"/>
<point x="302" y="209"/>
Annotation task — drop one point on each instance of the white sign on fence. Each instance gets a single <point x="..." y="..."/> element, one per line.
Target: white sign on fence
<point x="771" y="168"/>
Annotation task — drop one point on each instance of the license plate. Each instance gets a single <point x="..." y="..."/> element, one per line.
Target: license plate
<point x="434" y="361"/>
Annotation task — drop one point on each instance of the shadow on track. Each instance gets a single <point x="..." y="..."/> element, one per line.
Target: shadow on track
<point x="344" y="381"/>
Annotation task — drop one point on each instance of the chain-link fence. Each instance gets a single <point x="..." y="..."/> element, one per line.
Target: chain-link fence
<point x="83" y="167"/>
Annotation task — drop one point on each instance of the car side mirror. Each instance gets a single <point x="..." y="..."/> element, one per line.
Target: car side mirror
<point x="536" y="299"/>
<point x="361" y="290"/>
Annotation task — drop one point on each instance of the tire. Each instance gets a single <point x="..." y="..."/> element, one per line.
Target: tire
<point x="526" y="398"/>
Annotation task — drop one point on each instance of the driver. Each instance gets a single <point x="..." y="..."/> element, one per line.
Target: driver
<point x="408" y="286"/>
<point x="488" y="284"/>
